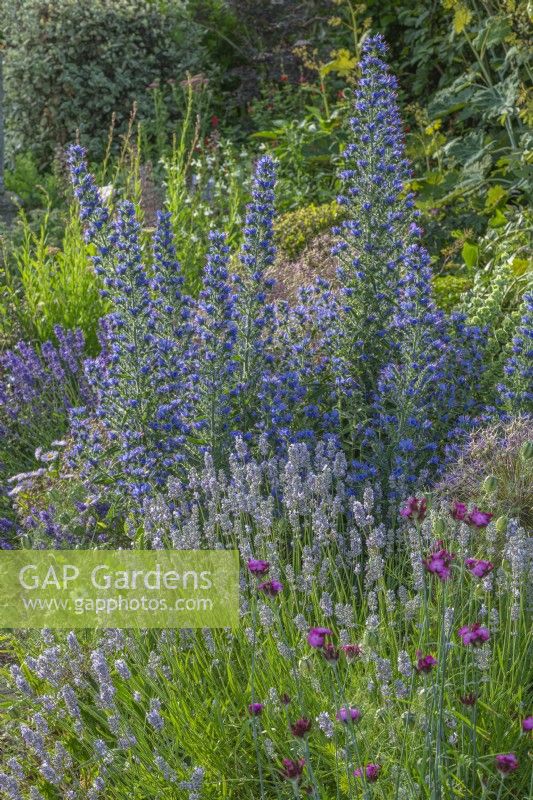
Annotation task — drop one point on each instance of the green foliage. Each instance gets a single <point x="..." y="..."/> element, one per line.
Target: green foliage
<point x="495" y="303"/>
<point x="206" y="187"/>
<point x="295" y="229"/>
<point x="71" y="66"/>
<point x="306" y="150"/>
<point x="30" y="185"/>
<point x="448" y="290"/>
<point x="48" y="286"/>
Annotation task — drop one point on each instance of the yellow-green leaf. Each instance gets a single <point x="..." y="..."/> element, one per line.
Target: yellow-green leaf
<point x="495" y="194"/>
<point x="498" y="219"/>
<point x="342" y="64"/>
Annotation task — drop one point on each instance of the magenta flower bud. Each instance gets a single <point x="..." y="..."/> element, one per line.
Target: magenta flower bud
<point x="478" y="567"/>
<point x="371" y="772"/>
<point x="474" y="635"/>
<point x="330" y="652"/>
<point x="506" y="763"/>
<point x="469" y="699"/>
<point x="479" y="519"/>
<point x="425" y="663"/>
<point x="255" y="709"/>
<point x="292" y="770"/>
<point x="527" y="724"/>
<point x="258" y="567"/>
<point x="271" y="588"/>
<point x="348" y="714"/>
<point x="316" y="636"/>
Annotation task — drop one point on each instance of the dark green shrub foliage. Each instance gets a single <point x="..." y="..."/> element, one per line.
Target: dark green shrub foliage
<point x="70" y="65"/>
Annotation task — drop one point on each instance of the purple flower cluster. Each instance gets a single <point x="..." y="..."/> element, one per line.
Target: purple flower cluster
<point x="411" y="369"/>
<point x="39" y="387"/>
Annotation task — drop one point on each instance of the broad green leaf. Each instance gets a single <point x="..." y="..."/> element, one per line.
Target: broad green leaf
<point x="265" y="135"/>
<point x="470" y="253"/>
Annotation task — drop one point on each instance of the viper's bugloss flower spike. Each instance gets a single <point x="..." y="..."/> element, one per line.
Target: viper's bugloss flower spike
<point x="258" y="250"/>
<point x="167" y="281"/>
<point x="93" y="212"/>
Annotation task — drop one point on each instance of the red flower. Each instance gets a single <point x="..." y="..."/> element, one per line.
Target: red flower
<point x="474" y="634"/>
<point x="301" y="727"/>
<point x="439" y="562"/>
<point x="292" y="770"/>
<point x="506" y="763"/>
<point x="258" y="567"/>
<point x="459" y="511"/>
<point x="425" y="663"/>
<point x="316" y="636"/>
<point x="371" y="771"/>
<point x="215" y="121"/>
<point x="352" y="651"/>
<point x="478" y="567"/>
<point x="469" y="699"/>
<point x="415" y="508"/>
<point x="330" y="652"/>
<point x="271" y="588"/>
<point x="284" y="78"/>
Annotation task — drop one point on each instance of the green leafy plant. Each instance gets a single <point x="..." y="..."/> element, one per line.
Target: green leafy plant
<point x="70" y="66"/>
<point x="49" y="286"/>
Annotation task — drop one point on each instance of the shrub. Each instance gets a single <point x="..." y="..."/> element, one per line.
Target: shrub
<point x="295" y="229"/>
<point x="71" y="65"/>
